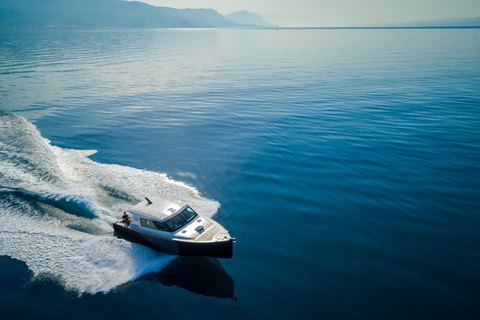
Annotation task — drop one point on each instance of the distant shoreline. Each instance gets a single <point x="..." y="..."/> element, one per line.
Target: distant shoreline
<point x="238" y="28"/>
<point x="447" y="27"/>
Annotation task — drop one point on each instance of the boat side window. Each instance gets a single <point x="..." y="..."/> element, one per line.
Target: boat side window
<point x="148" y="224"/>
<point x="161" y="226"/>
<point x="156" y="225"/>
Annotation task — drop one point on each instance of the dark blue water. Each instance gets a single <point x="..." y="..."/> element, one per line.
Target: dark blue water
<point x="345" y="162"/>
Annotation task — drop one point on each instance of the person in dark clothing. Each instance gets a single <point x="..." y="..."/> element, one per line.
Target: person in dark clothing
<point x="126" y="219"/>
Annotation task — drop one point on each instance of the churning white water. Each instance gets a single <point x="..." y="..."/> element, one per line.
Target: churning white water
<point x="57" y="206"/>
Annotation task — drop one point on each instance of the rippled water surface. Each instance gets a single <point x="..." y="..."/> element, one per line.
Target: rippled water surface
<point x="345" y="162"/>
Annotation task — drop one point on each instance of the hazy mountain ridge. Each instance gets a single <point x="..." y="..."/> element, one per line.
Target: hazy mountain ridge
<point x="126" y="14"/>
<point x="249" y="19"/>
<point x="105" y="13"/>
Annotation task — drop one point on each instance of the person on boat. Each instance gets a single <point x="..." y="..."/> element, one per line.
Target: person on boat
<point x="126" y="219"/>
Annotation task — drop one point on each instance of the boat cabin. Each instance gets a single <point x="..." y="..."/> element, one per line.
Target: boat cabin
<point x="162" y="214"/>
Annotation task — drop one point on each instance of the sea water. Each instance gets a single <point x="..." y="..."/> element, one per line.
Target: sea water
<point x="345" y="162"/>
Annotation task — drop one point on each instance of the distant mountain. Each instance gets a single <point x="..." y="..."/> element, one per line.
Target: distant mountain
<point x="104" y="13"/>
<point x="451" y="22"/>
<point x="249" y="19"/>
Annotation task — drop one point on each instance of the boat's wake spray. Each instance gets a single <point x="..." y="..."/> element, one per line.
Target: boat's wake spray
<point x="57" y="206"/>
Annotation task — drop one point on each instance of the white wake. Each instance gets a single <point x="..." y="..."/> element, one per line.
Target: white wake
<point x="57" y="206"/>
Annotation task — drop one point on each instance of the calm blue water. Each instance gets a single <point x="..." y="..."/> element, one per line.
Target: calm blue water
<point x="345" y="162"/>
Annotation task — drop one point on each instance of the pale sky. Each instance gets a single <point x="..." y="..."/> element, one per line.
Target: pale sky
<point x="337" y="13"/>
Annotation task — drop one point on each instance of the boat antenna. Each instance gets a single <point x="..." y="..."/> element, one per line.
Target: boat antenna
<point x="148" y="200"/>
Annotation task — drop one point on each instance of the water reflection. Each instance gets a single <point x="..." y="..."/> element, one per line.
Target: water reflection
<point x="200" y="275"/>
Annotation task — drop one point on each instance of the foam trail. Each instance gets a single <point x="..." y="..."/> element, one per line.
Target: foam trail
<point x="50" y="195"/>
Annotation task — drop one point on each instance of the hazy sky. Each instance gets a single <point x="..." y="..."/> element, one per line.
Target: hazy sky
<point x="333" y="13"/>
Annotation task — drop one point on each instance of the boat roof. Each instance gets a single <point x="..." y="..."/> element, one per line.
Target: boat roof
<point x="158" y="208"/>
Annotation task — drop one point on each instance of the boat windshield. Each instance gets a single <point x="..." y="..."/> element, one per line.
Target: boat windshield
<point x="181" y="219"/>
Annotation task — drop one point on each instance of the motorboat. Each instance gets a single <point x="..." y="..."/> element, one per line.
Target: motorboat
<point x="175" y="228"/>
